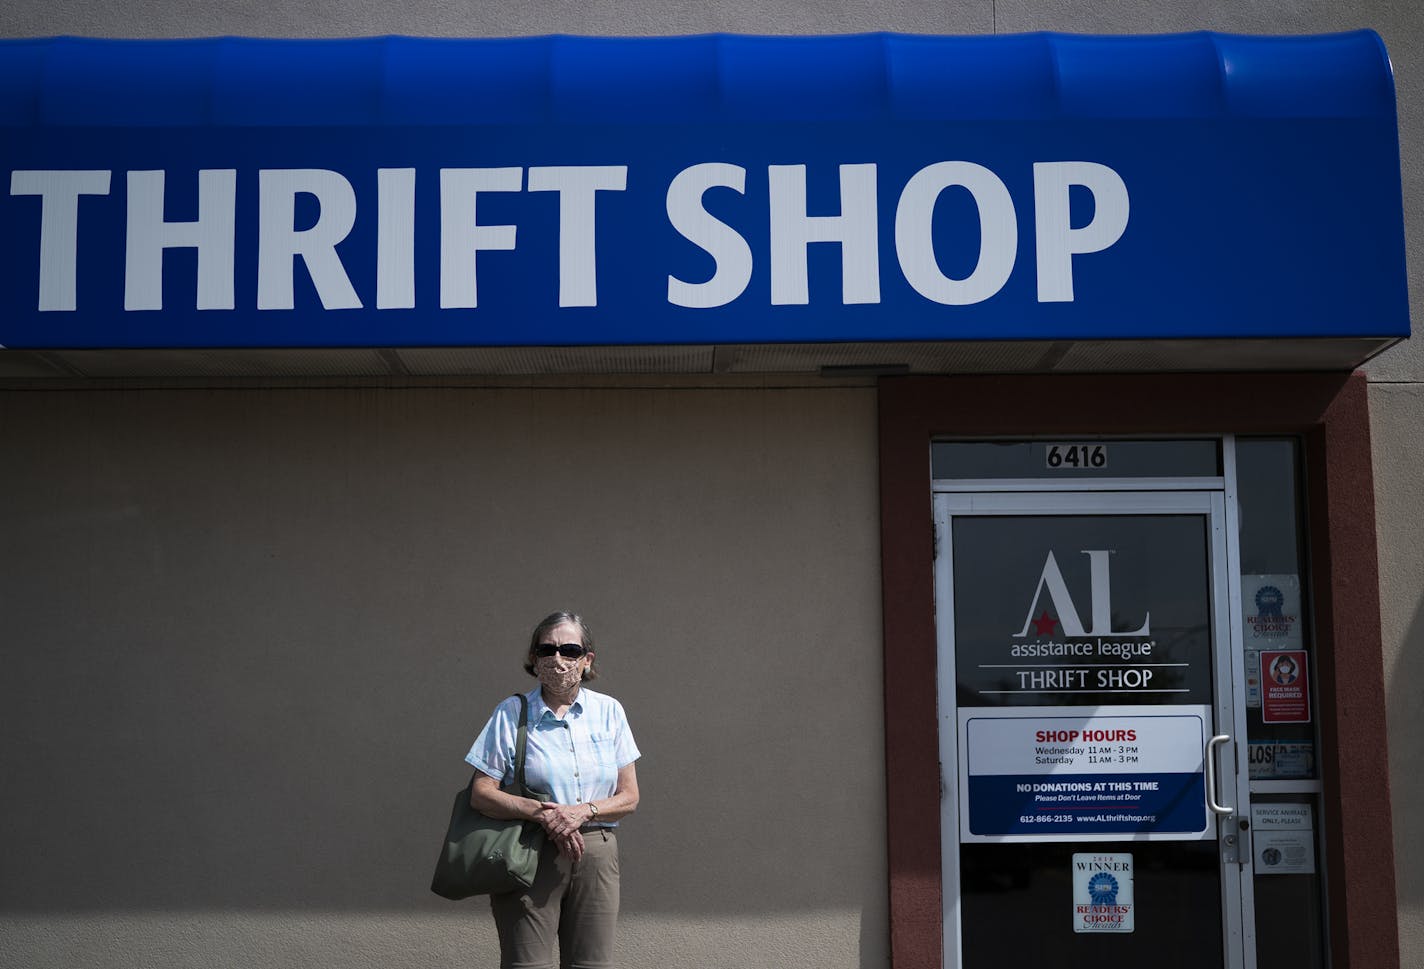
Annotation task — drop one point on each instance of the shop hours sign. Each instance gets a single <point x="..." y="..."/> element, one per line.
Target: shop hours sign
<point x="1103" y="773"/>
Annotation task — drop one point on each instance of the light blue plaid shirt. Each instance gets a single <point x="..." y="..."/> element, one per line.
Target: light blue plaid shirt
<point x="575" y="759"/>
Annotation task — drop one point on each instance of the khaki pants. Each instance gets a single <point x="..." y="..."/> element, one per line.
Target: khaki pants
<point x="570" y="909"/>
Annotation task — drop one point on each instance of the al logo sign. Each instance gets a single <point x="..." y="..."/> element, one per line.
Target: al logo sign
<point x="1050" y="580"/>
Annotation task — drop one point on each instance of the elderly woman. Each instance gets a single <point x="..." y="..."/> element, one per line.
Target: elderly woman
<point x="579" y="749"/>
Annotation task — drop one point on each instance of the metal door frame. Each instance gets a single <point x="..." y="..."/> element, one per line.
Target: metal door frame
<point x="1213" y="498"/>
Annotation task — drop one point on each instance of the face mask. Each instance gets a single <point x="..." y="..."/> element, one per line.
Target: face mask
<point x="559" y="680"/>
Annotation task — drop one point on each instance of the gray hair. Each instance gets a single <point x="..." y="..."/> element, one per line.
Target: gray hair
<point x="558" y="619"/>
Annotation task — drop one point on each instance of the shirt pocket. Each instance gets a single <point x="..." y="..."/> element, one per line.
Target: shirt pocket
<point x="603" y="745"/>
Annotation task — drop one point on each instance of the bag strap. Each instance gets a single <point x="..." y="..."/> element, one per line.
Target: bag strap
<point x="521" y="743"/>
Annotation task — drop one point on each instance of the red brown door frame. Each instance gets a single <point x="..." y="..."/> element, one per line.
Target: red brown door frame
<point x="1330" y="412"/>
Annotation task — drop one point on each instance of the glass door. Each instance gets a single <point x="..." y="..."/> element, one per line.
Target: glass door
<point x="1090" y="731"/>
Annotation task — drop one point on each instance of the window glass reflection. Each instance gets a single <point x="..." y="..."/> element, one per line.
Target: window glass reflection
<point x="1280" y="725"/>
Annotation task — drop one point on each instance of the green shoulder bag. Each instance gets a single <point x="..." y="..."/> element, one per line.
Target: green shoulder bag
<point x="485" y="856"/>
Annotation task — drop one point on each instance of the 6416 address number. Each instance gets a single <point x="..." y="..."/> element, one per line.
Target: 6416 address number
<point x="1076" y="457"/>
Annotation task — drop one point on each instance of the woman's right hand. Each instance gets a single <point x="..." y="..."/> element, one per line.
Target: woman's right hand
<point x="556" y="826"/>
<point x="570" y="845"/>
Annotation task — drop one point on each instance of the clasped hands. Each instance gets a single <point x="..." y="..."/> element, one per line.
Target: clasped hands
<point x="562" y="822"/>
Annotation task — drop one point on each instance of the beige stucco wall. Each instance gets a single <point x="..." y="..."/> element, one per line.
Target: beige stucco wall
<point x="1397" y="433"/>
<point x="249" y="636"/>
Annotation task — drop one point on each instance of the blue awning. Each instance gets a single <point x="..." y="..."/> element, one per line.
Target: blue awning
<point x="713" y="79"/>
<point x="573" y="191"/>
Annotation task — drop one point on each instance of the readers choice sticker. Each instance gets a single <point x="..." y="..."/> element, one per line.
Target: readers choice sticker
<point x="1102" y="892"/>
<point x="1271" y="612"/>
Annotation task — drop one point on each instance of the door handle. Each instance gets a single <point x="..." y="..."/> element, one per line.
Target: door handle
<point x="1211" y="802"/>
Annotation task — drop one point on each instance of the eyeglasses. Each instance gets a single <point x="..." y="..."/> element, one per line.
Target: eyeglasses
<point x="566" y="650"/>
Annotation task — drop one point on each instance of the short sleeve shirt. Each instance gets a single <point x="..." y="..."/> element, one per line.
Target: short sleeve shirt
<point x="575" y="759"/>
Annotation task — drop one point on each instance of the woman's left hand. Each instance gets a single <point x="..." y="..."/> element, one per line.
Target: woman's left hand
<point x="561" y="820"/>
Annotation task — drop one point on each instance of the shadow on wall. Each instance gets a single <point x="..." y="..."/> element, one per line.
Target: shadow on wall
<point x="184" y="773"/>
<point x="209" y="772"/>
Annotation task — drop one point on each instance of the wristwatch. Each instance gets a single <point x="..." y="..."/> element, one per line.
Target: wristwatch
<point x="593" y="809"/>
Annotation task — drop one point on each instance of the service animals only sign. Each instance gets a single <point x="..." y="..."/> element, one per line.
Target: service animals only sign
<point x="1102" y="893"/>
<point x="1284" y="838"/>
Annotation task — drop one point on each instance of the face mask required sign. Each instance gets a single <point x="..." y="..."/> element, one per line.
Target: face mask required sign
<point x="1086" y="773"/>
